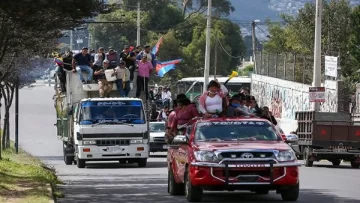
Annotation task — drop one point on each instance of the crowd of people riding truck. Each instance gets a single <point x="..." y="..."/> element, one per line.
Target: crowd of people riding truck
<point x="95" y="64"/>
<point x="215" y="102"/>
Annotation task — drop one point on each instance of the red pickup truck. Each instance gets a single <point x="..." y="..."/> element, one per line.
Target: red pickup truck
<point x="230" y="154"/>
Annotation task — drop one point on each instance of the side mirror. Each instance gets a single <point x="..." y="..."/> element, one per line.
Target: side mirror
<point x="180" y="139"/>
<point x="70" y="112"/>
<point x="292" y="138"/>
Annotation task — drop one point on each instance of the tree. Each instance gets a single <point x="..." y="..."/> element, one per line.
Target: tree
<point x="298" y="35"/>
<point x="29" y="30"/>
<point x="247" y="70"/>
<point x="182" y="38"/>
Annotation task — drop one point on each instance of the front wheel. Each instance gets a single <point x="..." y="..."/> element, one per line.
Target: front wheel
<point x="80" y="163"/>
<point x="174" y="188"/>
<point x="291" y="193"/>
<point x="354" y="164"/>
<point x="192" y="193"/>
<point x="142" y="162"/>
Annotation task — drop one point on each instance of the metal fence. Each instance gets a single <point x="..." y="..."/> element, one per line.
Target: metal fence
<point x="287" y="66"/>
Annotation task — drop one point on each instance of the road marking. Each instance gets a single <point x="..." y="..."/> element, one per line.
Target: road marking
<point x="111" y="185"/>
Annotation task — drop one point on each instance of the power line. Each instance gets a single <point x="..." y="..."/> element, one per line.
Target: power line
<point x="236" y="57"/>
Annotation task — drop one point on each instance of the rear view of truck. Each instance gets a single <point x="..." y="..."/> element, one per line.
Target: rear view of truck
<point x="328" y="136"/>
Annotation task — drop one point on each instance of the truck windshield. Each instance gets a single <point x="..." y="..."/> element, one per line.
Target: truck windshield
<point x="235" y="131"/>
<point x="157" y="127"/>
<point x="112" y="112"/>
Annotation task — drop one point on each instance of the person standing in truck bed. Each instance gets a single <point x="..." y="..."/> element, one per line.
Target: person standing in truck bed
<point x="105" y="87"/>
<point x="142" y="80"/>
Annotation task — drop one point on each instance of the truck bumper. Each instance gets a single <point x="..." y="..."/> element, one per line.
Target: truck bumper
<point x="158" y="147"/>
<point x="244" y="176"/>
<point x="92" y="152"/>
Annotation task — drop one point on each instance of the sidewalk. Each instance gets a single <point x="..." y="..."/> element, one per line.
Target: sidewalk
<point x="24" y="179"/>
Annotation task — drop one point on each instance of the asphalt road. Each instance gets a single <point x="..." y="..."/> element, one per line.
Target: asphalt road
<point x="112" y="182"/>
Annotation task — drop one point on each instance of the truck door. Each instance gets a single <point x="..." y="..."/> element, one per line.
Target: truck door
<point x="76" y="119"/>
<point x="183" y="156"/>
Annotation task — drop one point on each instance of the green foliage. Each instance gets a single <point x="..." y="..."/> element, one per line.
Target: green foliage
<point x="340" y="28"/>
<point x="27" y="177"/>
<point x="248" y="69"/>
<point x="183" y="37"/>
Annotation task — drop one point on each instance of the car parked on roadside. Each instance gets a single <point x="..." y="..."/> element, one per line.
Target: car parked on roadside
<point x="232" y="154"/>
<point x="157" y="137"/>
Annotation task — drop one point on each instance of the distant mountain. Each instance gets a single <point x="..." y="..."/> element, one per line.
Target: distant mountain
<point x="249" y="10"/>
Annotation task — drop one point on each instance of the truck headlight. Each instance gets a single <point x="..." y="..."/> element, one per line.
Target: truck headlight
<point x="207" y="156"/>
<point x="89" y="142"/>
<point x="136" y="141"/>
<point x="287" y="155"/>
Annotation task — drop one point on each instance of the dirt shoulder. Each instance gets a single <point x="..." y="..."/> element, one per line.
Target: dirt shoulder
<point x="24" y="178"/>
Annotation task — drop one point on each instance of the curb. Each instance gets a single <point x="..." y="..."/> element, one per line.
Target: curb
<point x="51" y="193"/>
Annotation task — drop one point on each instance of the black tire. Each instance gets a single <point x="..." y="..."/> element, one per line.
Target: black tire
<point x="262" y="191"/>
<point x="307" y="162"/>
<point x="173" y="187"/>
<point x="336" y="162"/>
<point x="80" y="163"/>
<point x="192" y="193"/>
<point x="354" y="165"/>
<point x="291" y="194"/>
<point x="68" y="160"/>
<point x="142" y="162"/>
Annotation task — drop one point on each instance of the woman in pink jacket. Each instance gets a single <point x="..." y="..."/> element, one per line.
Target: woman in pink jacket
<point x="184" y="114"/>
<point x="213" y="101"/>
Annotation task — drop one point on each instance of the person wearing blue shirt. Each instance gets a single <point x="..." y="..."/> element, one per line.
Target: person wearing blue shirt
<point x="150" y="56"/>
<point x="82" y="63"/>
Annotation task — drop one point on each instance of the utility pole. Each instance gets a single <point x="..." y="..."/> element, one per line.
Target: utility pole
<point x="317" y="50"/>
<point x="216" y="56"/>
<point x="253" y="34"/>
<point x="89" y="40"/>
<point x="71" y="40"/>
<point x="208" y="47"/>
<point x="138" y="25"/>
<point x="17" y="115"/>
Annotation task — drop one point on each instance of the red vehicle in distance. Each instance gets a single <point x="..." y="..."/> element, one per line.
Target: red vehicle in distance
<point x="227" y="154"/>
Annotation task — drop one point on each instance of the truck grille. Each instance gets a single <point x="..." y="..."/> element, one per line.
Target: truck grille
<point x="234" y="155"/>
<point x="159" y="139"/>
<point x="112" y="142"/>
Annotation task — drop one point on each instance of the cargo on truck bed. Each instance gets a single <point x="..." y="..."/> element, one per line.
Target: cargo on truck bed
<point x="330" y="136"/>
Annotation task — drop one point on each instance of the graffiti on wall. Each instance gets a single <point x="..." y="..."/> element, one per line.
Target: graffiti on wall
<point x="284" y="98"/>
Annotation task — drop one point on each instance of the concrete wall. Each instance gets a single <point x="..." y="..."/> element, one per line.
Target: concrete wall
<point x="284" y="98"/>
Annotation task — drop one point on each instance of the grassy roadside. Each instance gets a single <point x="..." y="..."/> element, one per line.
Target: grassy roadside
<point x="24" y="179"/>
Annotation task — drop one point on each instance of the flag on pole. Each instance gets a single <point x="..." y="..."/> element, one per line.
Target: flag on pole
<point x="59" y="61"/>
<point x="163" y="67"/>
<point x="156" y="48"/>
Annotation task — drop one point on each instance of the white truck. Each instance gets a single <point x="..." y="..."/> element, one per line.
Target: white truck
<point x="100" y="129"/>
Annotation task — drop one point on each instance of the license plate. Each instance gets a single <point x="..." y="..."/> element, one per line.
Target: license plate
<point x="165" y="147"/>
<point x="114" y="149"/>
<point x="339" y="150"/>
